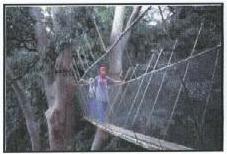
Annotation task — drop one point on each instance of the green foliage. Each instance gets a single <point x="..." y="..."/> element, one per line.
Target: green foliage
<point x="74" y="27"/>
<point x="19" y="30"/>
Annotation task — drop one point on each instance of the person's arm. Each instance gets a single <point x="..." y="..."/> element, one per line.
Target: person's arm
<point x="113" y="81"/>
<point x="82" y="81"/>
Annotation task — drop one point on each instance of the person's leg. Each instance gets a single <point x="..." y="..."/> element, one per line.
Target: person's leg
<point x="90" y="109"/>
<point x="93" y="108"/>
<point x="97" y="110"/>
<point x="104" y="111"/>
<point x="100" y="111"/>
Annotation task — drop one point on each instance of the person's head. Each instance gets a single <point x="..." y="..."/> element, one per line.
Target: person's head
<point x="102" y="70"/>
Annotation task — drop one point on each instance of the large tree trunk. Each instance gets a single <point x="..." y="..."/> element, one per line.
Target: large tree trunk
<point x="115" y="60"/>
<point x="99" y="140"/>
<point x="59" y="89"/>
<point x="32" y="125"/>
<point x="115" y="56"/>
<point x="60" y="115"/>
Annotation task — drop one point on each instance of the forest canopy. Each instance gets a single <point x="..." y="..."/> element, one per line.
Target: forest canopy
<point x="48" y="49"/>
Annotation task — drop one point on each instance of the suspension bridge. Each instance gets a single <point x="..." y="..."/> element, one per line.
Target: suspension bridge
<point x="125" y="103"/>
<point x="141" y="110"/>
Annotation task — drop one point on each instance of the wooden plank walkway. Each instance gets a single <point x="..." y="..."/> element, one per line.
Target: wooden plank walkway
<point x="146" y="142"/>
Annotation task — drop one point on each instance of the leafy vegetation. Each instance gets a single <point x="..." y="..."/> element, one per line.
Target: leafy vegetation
<point x="74" y="27"/>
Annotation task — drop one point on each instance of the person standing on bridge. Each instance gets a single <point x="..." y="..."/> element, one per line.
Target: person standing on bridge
<point x="98" y="90"/>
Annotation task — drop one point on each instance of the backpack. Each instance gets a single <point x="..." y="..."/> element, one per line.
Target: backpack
<point x="92" y="86"/>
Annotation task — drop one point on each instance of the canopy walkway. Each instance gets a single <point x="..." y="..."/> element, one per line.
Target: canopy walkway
<point x="146" y="142"/>
<point x="126" y="113"/>
<point x="161" y="108"/>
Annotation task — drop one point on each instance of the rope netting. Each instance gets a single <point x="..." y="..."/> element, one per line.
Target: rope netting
<point x="161" y="103"/>
<point x="147" y="104"/>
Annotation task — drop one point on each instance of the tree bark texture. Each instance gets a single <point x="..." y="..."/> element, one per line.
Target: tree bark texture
<point x="32" y="125"/>
<point x="59" y="89"/>
<point x="59" y="116"/>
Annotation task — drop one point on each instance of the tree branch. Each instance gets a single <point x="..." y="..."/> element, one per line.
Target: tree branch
<point x="163" y="21"/>
<point x="31" y="66"/>
<point x="29" y="49"/>
<point x="100" y="36"/>
<point x="32" y="125"/>
<point x="171" y="9"/>
<point x="134" y="14"/>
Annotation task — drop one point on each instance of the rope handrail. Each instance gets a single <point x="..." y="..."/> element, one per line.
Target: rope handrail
<point x="135" y="136"/>
<point x="173" y="64"/>
<point x="163" y="78"/>
<point x="166" y="67"/>
<point x="138" y="90"/>
<point x="181" y="85"/>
